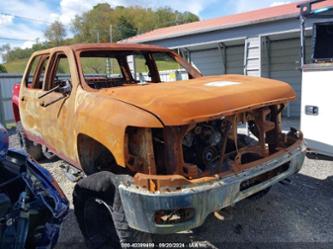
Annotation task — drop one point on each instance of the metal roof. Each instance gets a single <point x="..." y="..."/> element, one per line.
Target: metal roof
<point x="247" y="18"/>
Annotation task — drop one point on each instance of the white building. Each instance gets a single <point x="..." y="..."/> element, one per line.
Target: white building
<point x="263" y="43"/>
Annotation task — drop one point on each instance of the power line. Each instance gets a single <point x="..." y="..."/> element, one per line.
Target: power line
<point x="21" y="17"/>
<point x="13" y="39"/>
<point x="25" y="17"/>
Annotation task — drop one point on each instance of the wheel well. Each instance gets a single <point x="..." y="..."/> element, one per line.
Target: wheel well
<point x="90" y="151"/>
<point x="94" y="156"/>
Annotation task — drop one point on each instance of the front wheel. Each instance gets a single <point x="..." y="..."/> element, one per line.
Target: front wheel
<point x="100" y="214"/>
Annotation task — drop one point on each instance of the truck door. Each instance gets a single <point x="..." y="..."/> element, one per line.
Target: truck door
<point x="317" y="108"/>
<point x="31" y="89"/>
<point x="317" y="92"/>
<point x="58" y="106"/>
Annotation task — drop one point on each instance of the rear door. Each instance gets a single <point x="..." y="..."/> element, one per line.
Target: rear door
<point x="31" y="89"/>
<point x="317" y="108"/>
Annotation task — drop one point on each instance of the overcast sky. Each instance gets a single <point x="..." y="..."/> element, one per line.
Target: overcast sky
<point x="39" y="13"/>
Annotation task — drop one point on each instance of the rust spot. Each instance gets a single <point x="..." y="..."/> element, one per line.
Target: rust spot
<point x="205" y="151"/>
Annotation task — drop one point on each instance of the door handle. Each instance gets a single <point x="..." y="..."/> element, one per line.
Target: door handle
<point x="42" y="104"/>
<point x="22" y="98"/>
<point x="312" y="110"/>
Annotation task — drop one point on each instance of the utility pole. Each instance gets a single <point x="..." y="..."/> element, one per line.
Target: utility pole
<point x="97" y="36"/>
<point x="108" y="61"/>
<point x="110" y="33"/>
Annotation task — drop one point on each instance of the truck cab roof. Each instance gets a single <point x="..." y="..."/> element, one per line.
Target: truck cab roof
<point x="108" y="46"/>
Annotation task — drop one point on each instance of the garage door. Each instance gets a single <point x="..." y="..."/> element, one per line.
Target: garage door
<point x="284" y="66"/>
<point x="210" y="61"/>
<point x="235" y="59"/>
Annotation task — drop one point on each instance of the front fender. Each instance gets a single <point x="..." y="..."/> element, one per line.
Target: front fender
<point x="105" y="119"/>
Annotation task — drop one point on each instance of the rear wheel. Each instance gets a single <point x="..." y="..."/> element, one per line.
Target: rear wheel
<point x="34" y="150"/>
<point x="100" y="214"/>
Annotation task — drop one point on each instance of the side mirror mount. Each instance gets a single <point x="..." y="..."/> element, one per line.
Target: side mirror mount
<point x="65" y="88"/>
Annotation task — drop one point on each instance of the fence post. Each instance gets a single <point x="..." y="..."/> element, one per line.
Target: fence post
<point x="2" y="111"/>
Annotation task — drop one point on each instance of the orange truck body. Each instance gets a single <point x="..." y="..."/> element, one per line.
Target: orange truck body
<point x="125" y="119"/>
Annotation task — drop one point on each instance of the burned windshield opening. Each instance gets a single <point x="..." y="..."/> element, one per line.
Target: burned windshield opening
<point x="105" y="69"/>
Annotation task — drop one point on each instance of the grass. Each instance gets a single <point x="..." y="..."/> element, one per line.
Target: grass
<point x="17" y="66"/>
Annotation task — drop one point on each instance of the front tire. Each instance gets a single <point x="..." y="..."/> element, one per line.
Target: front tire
<point x="34" y="150"/>
<point x="100" y="214"/>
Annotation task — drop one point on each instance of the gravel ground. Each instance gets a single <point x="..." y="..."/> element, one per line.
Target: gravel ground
<point x="294" y="214"/>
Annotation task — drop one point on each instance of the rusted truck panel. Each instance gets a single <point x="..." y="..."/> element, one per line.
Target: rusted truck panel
<point x="175" y="211"/>
<point x="179" y="142"/>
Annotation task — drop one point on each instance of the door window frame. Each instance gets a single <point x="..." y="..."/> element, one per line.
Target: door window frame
<point x="51" y="73"/>
<point x="41" y="59"/>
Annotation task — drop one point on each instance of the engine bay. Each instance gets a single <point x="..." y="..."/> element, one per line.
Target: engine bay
<point x="220" y="146"/>
<point x="203" y="145"/>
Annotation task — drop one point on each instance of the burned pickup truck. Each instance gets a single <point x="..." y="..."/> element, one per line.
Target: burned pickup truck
<point x="162" y="146"/>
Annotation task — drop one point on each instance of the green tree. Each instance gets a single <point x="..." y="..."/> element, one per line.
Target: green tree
<point x="3" y="69"/>
<point x="4" y="50"/>
<point x="187" y="17"/>
<point x="95" y="24"/>
<point x="124" y="29"/>
<point x="87" y="27"/>
<point x="165" y="17"/>
<point x="55" y="33"/>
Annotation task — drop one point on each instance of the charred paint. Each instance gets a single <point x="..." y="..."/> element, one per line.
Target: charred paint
<point x="162" y="113"/>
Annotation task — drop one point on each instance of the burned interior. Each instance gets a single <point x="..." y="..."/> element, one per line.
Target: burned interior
<point x="106" y="69"/>
<point x="206" y="150"/>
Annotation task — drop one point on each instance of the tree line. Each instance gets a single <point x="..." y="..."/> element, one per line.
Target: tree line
<point x="103" y="24"/>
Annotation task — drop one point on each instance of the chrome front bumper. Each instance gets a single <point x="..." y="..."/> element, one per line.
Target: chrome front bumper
<point x="141" y="205"/>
